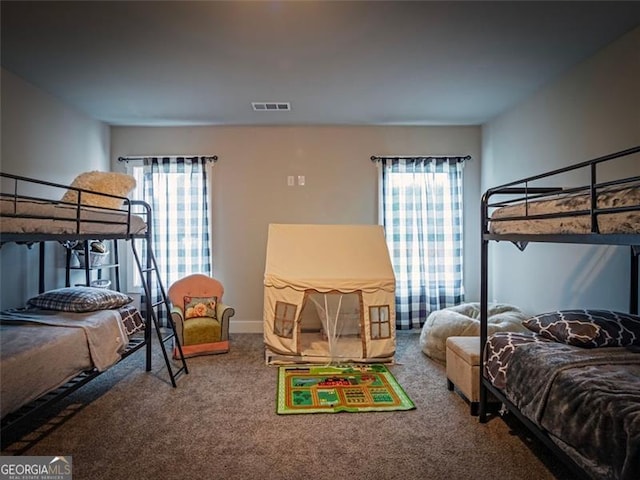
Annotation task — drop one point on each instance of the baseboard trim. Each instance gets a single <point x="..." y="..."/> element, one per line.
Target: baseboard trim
<point x="246" y="326"/>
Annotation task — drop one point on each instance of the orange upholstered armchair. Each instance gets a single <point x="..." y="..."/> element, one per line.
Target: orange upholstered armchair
<point x="200" y="317"/>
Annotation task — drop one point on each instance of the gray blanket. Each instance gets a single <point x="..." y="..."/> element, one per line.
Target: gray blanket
<point x="587" y="399"/>
<point x="105" y="334"/>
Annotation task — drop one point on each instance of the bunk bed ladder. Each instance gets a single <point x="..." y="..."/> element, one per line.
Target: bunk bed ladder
<point x="146" y="272"/>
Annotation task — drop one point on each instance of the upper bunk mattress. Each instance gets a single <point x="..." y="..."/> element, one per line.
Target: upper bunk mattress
<point x="624" y="222"/>
<point x="31" y="217"/>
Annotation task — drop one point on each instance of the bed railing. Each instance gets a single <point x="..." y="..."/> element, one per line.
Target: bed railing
<point x="31" y="199"/>
<point x="528" y="190"/>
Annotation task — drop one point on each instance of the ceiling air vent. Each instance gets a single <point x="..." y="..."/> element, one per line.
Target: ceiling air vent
<point x="271" y="106"/>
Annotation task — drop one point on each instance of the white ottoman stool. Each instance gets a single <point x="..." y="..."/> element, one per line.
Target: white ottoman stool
<point x="463" y="368"/>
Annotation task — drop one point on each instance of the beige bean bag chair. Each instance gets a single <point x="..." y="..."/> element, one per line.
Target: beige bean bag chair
<point x="464" y="321"/>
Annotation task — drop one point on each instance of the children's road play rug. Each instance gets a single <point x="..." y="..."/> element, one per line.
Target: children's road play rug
<point x="343" y="388"/>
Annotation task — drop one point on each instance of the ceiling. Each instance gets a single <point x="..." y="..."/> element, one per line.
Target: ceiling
<point x="337" y="62"/>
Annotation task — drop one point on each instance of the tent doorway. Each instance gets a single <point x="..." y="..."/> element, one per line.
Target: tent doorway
<point x="331" y="325"/>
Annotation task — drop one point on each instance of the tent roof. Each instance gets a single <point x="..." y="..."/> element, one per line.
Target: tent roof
<point x="328" y="257"/>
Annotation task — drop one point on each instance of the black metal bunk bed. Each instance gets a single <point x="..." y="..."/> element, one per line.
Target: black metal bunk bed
<point x="517" y="200"/>
<point x="28" y="218"/>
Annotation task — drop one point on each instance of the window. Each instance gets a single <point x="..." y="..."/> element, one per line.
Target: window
<point x="380" y="321"/>
<point x="421" y="211"/>
<point x="285" y="318"/>
<point x="176" y="189"/>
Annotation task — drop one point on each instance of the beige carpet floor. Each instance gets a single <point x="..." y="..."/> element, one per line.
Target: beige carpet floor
<point x="220" y="423"/>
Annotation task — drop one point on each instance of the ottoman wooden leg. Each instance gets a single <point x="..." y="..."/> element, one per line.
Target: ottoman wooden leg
<point x="463" y="370"/>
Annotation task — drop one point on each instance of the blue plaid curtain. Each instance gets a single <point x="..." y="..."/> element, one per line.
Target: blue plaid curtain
<point x="421" y="202"/>
<point x="176" y="189"/>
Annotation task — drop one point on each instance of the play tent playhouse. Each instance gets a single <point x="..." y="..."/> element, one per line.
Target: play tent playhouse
<point x="329" y="294"/>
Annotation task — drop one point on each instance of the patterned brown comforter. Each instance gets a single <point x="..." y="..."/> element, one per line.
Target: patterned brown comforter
<point x="588" y="400"/>
<point x="567" y="205"/>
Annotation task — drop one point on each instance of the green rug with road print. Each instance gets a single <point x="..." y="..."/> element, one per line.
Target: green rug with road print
<point x="339" y="388"/>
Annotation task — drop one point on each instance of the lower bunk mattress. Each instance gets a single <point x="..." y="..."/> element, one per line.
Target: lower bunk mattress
<point x="43" y="349"/>
<point x="586" y="399"/>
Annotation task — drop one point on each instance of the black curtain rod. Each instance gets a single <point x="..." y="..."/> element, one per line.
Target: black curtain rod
<point x="208" y="158"/>
<point x="375" y="158"/>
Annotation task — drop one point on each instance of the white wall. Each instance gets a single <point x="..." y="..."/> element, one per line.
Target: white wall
<point x="250" y="190"/>
<point x="42" y="138"/>
<point x="592" y="110"/>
